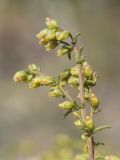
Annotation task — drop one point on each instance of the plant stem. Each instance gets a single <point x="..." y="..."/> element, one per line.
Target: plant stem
<point x="66" y="93"/>
<point x="65" y="43"/>
<point x="91" y="148"/>
<point x="81" y="89"/>
<point x="90" y="142"/>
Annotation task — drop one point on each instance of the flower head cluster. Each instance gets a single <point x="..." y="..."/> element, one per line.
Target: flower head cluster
<point x="80" y="76"/>
<point x="33" y="77"/>
<point x="52" y="36"/>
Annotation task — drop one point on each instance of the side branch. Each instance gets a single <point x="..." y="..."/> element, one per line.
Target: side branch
<point x="66" y="93"/>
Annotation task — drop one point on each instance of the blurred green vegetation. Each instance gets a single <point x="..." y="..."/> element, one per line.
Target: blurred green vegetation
<point x="28" y="114"/>
<point x="64" y="147"/>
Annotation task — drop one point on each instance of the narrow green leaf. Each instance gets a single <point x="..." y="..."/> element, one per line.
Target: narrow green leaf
<point x="69" y="55"/>
<point x="101" y="128"/>
<point x="78" y="56"/>
<point x="98" y="144"/>
<point x="67" y="113"/>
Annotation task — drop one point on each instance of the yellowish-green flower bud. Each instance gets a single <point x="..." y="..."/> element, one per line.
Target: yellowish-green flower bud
<point x="43" y="41"/>
<point x="62" y="51"/>
<point x="36" y="82"/>
<point x="47" y="80"/>
<point x="30" y="77"/>
<point x="94" y="101"/>
<point x="89" y="123"/>
<point x="86" y="95"/>
<point x="84" y="64"/>
<point x="74" y="71"/>
<point x="78" y="123"/>
<point x="66" y="105"/>
<point x="63" y="83"/>
<point x="51" y="23"/>
<point x="20" y="76"/>
<point x="51" y="45"/>
<point x="62" y="35"/>
<point x="77" y="114"/>
<point x="55" y="92"/>
<point x="73" y="81"/>
<point x="88" y="72"/>
<point x="33" y="68"/>
<point x="50" y="35"/>
<point x="42" y="33"/>
<point x="65" y="74"/>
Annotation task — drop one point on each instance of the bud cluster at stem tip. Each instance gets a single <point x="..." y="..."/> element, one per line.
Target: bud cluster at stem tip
<point x="51" y="37"/>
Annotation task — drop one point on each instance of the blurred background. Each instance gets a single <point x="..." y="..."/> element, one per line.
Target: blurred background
<point x="29" y="115"/>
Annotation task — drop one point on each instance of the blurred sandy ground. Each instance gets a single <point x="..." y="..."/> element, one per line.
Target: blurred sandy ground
<point x="29" y="114"/>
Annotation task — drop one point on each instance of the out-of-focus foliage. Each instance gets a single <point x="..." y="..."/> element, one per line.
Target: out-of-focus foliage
<point x="64" y="148"/>
<point x="22" y="149"/>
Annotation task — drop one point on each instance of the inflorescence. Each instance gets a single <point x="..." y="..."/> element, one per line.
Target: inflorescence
<point x="52" y="37"/>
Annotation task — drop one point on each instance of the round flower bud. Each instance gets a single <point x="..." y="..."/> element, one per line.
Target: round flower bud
<point x="74" y="71"/>
<point x="62" y="35"/>
<point x="86" y="95"/>
<point x="89" y="124"/>
<point x="43" y="41"/>
<point x="36" y="82"/>
<point x="66" y="105"/>
<point x="78" y="123"/>
<point x="88" y="72"/>
<point x="65" y="74"/>
<point x="55" y="92"/>
<point x="77" y="114"/>
<point x="62" y="51"/>
<point x="47" y="80"/>
<point x="73" y="81"/>
<point x="42" y="34"/>
<point x="94" y="101"/>
<point x="51" y="45"/>
<point x="63" y="83"/>
<point x="20" y="76"/>
<point x="50" y="35"/>
<point x="33" y="68"/>
<point x="84" y="64"/>
<point x="51" y="23"/>
<point x="30" y="77"/>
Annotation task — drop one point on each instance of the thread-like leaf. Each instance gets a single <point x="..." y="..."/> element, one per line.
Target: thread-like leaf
<point x="101" y="128"/>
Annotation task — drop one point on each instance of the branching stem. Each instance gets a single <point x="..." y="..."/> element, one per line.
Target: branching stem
<point x="90" y="141"/>
<point x="66" y="93"/>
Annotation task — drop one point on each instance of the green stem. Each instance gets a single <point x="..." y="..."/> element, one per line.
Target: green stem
<point x="65" y="43"/>
<point x="81" y="90"/>
<point x="66" y="94"/>
<point x="90" y="141"/>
